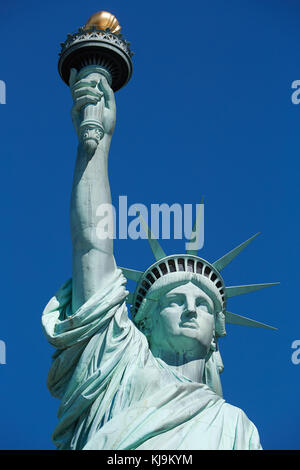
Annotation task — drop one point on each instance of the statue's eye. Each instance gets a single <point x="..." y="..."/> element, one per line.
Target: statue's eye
<point x="175" y="301"/>
<point x="202" y="305"/>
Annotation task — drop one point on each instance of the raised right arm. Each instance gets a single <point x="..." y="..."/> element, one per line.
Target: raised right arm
<point x="93" y="261"/>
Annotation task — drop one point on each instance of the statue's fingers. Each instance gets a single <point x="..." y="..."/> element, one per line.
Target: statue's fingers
<point x="108" y="93"/>
<point x="104" y="86"/>
<point x="86" y="82"/>
<point x="83" y="101"/>
<point x="79" y="85"/>
<point x="87" y="91"/>
<point x="82" y="84"/>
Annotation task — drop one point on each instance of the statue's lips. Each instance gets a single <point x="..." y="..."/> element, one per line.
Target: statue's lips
<point x="188" y="324"/>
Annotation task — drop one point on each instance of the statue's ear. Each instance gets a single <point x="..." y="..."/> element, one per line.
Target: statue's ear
<point x="214" y="344"/>
<point x="220" y="324"/>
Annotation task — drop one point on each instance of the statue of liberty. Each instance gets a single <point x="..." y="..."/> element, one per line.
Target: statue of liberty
<point x="149" y="380"/>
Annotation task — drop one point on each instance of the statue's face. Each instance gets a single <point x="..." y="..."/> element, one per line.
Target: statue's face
<point x="184" y="321"/>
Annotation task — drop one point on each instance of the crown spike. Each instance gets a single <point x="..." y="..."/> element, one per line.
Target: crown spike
<point x="234" y="291"/>
<point x="193" y="235"/>
<point x="221" y="263"/>
<point x="154" y="245"/>
<point x="132" y="274"/>
<point x="244" y="321"/>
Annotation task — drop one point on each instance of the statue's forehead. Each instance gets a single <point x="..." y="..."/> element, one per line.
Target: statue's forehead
<point x="187" y="288"/>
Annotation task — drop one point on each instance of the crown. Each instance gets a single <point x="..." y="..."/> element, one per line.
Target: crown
<point x="190" y="266"/>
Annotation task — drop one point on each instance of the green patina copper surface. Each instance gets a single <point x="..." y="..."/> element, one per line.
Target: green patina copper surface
<point x="152" y="380"/>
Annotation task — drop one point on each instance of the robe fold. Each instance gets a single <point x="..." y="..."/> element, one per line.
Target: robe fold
<point x="116" y="395"/>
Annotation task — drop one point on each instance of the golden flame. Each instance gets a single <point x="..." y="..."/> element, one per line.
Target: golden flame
<point x="103" y="20"/>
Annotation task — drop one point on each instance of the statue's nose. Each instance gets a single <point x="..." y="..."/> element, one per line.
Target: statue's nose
<point x="189" y="313"/>
<point x="190" y="306"/>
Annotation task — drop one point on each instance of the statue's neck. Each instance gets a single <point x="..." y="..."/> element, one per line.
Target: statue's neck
<point x="185" y="364"/>
<point x="192" y="370"/>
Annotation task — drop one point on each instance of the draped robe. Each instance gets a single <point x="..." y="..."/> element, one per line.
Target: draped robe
<point x="116" y="395"/>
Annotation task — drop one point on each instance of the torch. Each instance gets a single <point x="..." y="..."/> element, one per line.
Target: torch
<point x="98" y="48"/>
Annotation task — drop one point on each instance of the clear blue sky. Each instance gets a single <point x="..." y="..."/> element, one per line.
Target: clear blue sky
<point x="207" y="112"/>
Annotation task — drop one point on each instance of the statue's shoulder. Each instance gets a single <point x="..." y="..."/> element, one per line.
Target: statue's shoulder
<point x="237" y="415"/>
<point x="246" y="434"/>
